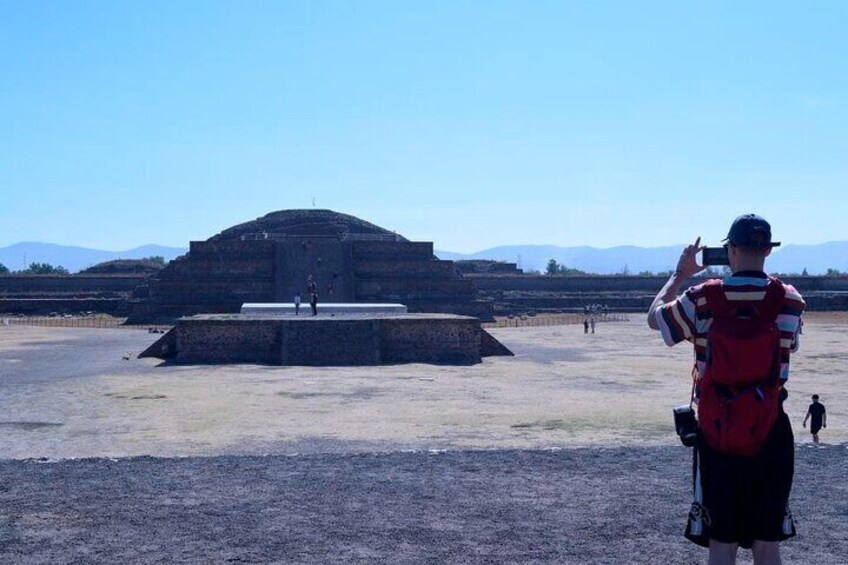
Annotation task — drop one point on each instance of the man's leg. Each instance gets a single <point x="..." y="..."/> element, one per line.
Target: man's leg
<point x="722" y="553"/>
<point x="815" y="438"/>
<point x="766" y="552"/>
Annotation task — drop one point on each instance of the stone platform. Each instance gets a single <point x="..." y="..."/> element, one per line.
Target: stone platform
<point x="330" y="308"/>
<point x="343" y="339"/>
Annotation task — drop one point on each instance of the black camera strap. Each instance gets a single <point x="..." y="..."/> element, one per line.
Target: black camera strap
<point x="695" y="377"/>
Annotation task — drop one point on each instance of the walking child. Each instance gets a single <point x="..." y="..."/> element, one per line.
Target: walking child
<point x="817" y="416"/>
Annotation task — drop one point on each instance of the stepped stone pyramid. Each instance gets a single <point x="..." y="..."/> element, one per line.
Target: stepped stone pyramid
<point x="273" y="257"/>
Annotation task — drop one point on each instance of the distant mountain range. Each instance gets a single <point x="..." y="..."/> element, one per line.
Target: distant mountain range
<point x="20" y="255"/>
<point x="816" y="259"/>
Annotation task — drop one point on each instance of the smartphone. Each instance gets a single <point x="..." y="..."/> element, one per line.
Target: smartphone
<point x="714" y="256"/>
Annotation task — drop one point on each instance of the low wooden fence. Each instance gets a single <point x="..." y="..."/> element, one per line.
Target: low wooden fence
<point x="106" y="321"/>
<point x="553" y="320"/>
<point x="91" y="321"/>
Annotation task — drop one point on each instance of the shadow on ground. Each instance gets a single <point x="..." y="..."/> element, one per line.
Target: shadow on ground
<point x="590" y="505"/>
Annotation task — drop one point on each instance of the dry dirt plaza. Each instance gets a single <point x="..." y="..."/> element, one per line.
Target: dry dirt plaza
<point x="563" y="453"/>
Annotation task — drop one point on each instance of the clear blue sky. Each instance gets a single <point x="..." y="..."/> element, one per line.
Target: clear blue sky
<point x="470" y="124"/>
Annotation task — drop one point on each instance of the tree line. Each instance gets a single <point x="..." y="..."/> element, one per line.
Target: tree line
<point x="555" y="268"/>
<point x="35" y="269"/>
<point x="48" y="269"/>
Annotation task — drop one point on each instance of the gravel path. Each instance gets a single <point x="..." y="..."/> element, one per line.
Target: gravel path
<point x="591" y="505"/>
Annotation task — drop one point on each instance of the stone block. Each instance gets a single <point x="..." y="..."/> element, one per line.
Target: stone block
<point x="328" y="341"/>
<point x="221" y="339"/>
<point x="431" y="339"/>
<point x="406" y="269"/>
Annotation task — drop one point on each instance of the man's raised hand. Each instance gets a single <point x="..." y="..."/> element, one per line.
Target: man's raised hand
<point x="687" y="265"/>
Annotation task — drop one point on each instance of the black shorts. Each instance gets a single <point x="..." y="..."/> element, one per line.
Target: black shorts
<point x="742" y="499"/>
<point x="815" y="428"/>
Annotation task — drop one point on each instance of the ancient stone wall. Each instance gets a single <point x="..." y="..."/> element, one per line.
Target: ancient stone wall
<point x="448" y="340"/>
<point x="212" y="340"/>
<point x="67" y="284"/>
<point x="371" y="290"/>
<point x="417" y="250"/>
<point x="558" y="283"/>
<point x="327" y="260"/>
<point x="516" y="294"/>
<point x="351" y="340"/>
<point x="215" y="276"/>
<point x="45" y="306"/>
<point x="331" y="342"/>
<point x="408" y="272"/>
<point x="67" y="294"/>
<point x="605" y="283"/>
<point x="484" y="266"/>
<point x="219" y="275"/>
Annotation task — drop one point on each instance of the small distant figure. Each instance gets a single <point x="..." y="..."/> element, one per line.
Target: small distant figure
<point x="312" y="289"/>
<point x="817" y="416"/>
<point x="296" y="303"/>
<point x="592" y="322"/>
<point x="313" y="302"/>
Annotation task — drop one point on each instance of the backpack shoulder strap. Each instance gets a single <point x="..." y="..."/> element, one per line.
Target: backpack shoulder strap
<point x="768" y="309"/>
<point x="716" y="300"/>
<point x="772" y="303"/>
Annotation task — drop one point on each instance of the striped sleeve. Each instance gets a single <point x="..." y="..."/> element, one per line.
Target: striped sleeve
<point x="789" y="319"/>
<point x="676" y="320"/>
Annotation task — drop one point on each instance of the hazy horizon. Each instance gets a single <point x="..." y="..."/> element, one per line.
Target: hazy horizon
<point x="816" y="259"/>
<point x="435" y="245"/>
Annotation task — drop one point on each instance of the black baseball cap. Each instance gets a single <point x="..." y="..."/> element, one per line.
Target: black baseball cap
<point x="751" y="230"/>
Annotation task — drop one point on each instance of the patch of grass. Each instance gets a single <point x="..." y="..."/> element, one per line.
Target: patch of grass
<point x="30" y="426"/>
<point x="557" y="425"/>
<point x="302" y="395"/>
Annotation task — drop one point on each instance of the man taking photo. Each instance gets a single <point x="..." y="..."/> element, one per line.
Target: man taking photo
<point x="743" y="329"/>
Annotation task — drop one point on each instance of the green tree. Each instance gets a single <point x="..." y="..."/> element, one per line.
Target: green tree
<point x="834" y="273"/>
<point x="156" y="259"/>
<point x="555" y="268"/>
<point x="4" y="270"/>
<point x="44" y="269"/>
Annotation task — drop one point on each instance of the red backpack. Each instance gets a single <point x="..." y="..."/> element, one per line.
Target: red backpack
<point x="739" y="392"/>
